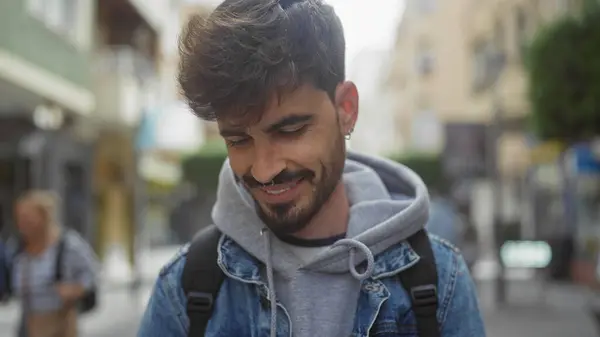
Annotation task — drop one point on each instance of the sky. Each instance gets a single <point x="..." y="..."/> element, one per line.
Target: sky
<point x="368" y="24"/>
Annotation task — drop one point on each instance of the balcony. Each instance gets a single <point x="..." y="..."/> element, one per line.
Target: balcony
<point x="121" y="23"/>
<point x="152" y="11"/>
<point x="43" y="56"/>
<point x="124" y="83"/>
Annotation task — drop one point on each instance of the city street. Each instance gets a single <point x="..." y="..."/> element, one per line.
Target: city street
<point x="118" y="314"/>
<point x="538" y="310"/>
<point x="120" y="308"/>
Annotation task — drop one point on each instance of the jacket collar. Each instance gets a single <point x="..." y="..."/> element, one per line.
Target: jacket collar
<point x="239" y="264"/>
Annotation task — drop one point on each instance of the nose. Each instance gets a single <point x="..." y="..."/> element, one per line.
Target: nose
<point x="267" y="163"/>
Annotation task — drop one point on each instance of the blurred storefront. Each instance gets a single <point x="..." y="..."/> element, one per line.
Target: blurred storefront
<point x="563" y="196"/>
<point x="167" y="134"/>
<point x="585" y="174"/>
<point x="171" y="133"/>
<point x="45" y="92"/>
<point x="125" y="82"/>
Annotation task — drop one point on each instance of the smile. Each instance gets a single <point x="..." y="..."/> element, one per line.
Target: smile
<point x="280" y="192"/>
<point x="277" y="192"/>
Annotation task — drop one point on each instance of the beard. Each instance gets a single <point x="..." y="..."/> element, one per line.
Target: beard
<point x="289" y="218"/>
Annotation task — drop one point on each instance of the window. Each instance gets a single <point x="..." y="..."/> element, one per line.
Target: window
<point x="426" y="6"/>
<point x="479" y="66"/>
<point x="521" y="30"/>
<point x="61" y="16"/>
<point x="425" y="63"/>
<point x="426" y="131"/>
<point x="499" y="35"/>
<point x="69" y="16"/>
<point x="425" y="58"/>
<point x="37" y="7"/>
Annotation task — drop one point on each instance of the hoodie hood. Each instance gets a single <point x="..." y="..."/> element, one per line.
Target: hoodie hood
<point x="388" y="203"/>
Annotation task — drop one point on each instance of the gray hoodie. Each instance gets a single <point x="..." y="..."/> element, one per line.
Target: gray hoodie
<point x="321" y="295"/>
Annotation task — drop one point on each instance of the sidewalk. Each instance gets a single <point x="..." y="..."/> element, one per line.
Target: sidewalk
<point x="120" y="307"/>
<point x="117" y="272"/>
<point x="537" y="310"/>
<point x="117" y="315"/>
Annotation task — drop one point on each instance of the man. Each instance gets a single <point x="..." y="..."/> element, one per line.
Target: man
<point x="312" y="242"/>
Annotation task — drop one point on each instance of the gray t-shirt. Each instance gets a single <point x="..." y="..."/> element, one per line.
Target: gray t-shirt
<point x="34" y="277"/>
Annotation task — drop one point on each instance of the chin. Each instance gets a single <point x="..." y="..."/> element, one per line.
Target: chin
<point x="286" y="222"/>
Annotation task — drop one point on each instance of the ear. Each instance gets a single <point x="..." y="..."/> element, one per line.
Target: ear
<point x="346" y="99"/>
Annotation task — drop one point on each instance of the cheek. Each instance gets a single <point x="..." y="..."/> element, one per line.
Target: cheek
<point x="25" y="225"/>
<point x="239" y="164"/>
<point x="308" y="152"/>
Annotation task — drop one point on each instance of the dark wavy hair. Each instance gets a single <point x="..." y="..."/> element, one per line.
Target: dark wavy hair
<point x="246" y="51"/>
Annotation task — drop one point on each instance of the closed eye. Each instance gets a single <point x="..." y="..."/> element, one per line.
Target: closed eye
<point x="292" y="129"/>
<point x="236" y="142"/>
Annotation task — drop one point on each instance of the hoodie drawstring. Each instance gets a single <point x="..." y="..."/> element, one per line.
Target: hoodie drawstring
<point x="270" y="283"/>
<point x="357" y="245"/>
<point x="354" y="245"/>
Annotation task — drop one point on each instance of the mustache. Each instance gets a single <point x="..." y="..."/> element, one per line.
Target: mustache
<point x="283" y="177"/>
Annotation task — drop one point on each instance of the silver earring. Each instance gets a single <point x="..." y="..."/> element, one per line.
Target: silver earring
<point x="348" y="136"/>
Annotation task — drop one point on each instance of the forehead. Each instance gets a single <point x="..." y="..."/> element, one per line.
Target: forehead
<point x="305" y="100"/>
<point x="27" y="205"/>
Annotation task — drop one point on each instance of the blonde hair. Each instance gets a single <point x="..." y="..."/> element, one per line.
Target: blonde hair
<point x="47" y="202"/>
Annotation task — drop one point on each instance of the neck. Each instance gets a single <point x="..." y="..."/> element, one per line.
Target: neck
<point x="332" y="219"/>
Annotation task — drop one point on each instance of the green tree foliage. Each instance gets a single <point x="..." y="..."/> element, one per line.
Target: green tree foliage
<point x="428" y="167"/>
<point x="202" y="168"/>
<point x="564" y="77"/>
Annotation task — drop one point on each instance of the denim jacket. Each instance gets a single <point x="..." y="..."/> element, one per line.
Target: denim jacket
<point x="242" y="309"/>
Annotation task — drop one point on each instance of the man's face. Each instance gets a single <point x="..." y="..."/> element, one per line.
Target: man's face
<point x="292" y="159"/>
<point x="30" y="219"/>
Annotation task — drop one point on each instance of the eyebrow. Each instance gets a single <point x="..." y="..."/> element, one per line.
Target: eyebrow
<point x="232" y="133"/>
<point x="289" y="120"/>
<point x="285" y="121"/>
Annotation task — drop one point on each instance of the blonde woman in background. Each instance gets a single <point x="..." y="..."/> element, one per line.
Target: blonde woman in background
<point x="49" y="306"/>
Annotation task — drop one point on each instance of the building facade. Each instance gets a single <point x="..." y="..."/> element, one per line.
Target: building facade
<point x="428" y="71"/>
<point x="444" y="72"/>
<point x="459" y="66"/>
<point x="45" y="91"/>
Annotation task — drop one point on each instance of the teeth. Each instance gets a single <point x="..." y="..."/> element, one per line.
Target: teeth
<point x="276" y="192"/>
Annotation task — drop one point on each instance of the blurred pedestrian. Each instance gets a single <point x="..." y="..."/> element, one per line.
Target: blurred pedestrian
<point x="4" y="271"/>
<point x="52" y="269"/>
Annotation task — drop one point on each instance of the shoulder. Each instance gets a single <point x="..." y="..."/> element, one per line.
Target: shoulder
<point x="77" y="249"/>
<point x="459" y="307"/>
<point x="172" y="271"/>
<point x="73" y="240"/>
<point x="443" y="246"/>
<point x="165" y="312"/>
<point x="448" y="259"/>
<point x="456" y="290"/>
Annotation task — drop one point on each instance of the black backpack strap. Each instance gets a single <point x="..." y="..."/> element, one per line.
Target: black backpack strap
<point x="60" y="256"/>
<point x="202" y="279"/>
<point x="420" y="281"/>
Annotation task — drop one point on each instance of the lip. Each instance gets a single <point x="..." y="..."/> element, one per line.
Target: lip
<point x="281" y="193"/>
